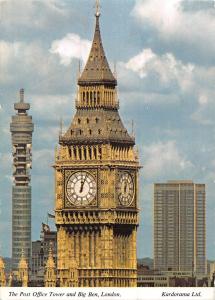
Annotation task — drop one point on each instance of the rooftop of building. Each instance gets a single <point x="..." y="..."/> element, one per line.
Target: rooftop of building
<point x="182" y="182"/>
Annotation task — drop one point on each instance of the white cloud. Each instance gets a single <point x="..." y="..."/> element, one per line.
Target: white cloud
<point x="31" y="14"/>
<point x="26" y="58"/>
<point x="203" y="99"/>
<point x="139" y="62"/>
<point x="35" y="67"/>
<point x="163" y="159"/>
<point x="168" y="69"/>
<point x="163" y="79"/>
<point x="164" y="15"/>
<point x="184" y="31"/>
<point x="69" y="47"/>
<point x="204" y="113"/>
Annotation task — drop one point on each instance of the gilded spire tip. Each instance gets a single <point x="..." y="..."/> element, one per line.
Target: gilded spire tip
<point x="98" y="13"/>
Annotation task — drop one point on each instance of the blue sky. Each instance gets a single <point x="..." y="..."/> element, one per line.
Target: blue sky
<point x="165" y="56"/>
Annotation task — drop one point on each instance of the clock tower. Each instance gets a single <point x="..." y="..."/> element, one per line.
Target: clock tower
<point x="96" y="173"/>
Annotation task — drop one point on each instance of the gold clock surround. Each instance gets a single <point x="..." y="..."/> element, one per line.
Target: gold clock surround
<point x="125" y="189"/>
<point x="68" y="174"/>
<point x="81" y="188"/>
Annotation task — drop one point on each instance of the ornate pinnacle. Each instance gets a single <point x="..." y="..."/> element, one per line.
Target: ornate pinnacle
<point x="50" y="249"/>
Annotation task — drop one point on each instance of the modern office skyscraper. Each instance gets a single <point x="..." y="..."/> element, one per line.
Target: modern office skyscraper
<point x="179" y="226"/>
<point x="21" y="128"/>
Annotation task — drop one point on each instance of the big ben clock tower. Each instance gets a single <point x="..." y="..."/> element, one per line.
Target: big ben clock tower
<point x="96" y="171"/>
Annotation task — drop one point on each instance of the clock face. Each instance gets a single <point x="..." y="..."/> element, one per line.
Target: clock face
<point x="81" y="188"/>
<point x="125" y="189"/>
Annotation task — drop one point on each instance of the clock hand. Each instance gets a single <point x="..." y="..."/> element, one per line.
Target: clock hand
<point x="81" y="187"/>
<point x="125" y="187"/>
<point x="82" y="184"/>
<point x="85" y="178"/>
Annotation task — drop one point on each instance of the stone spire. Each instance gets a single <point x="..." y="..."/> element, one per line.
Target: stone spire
<point x="50" y="274"/>
<point x="23" y="270"/>
<point x="96" y="119"/>
<point x="2" y="273"/>
<point x="97" y="70"/>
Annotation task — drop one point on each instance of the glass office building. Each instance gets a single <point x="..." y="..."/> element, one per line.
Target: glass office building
<point x="179" y="227"/>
